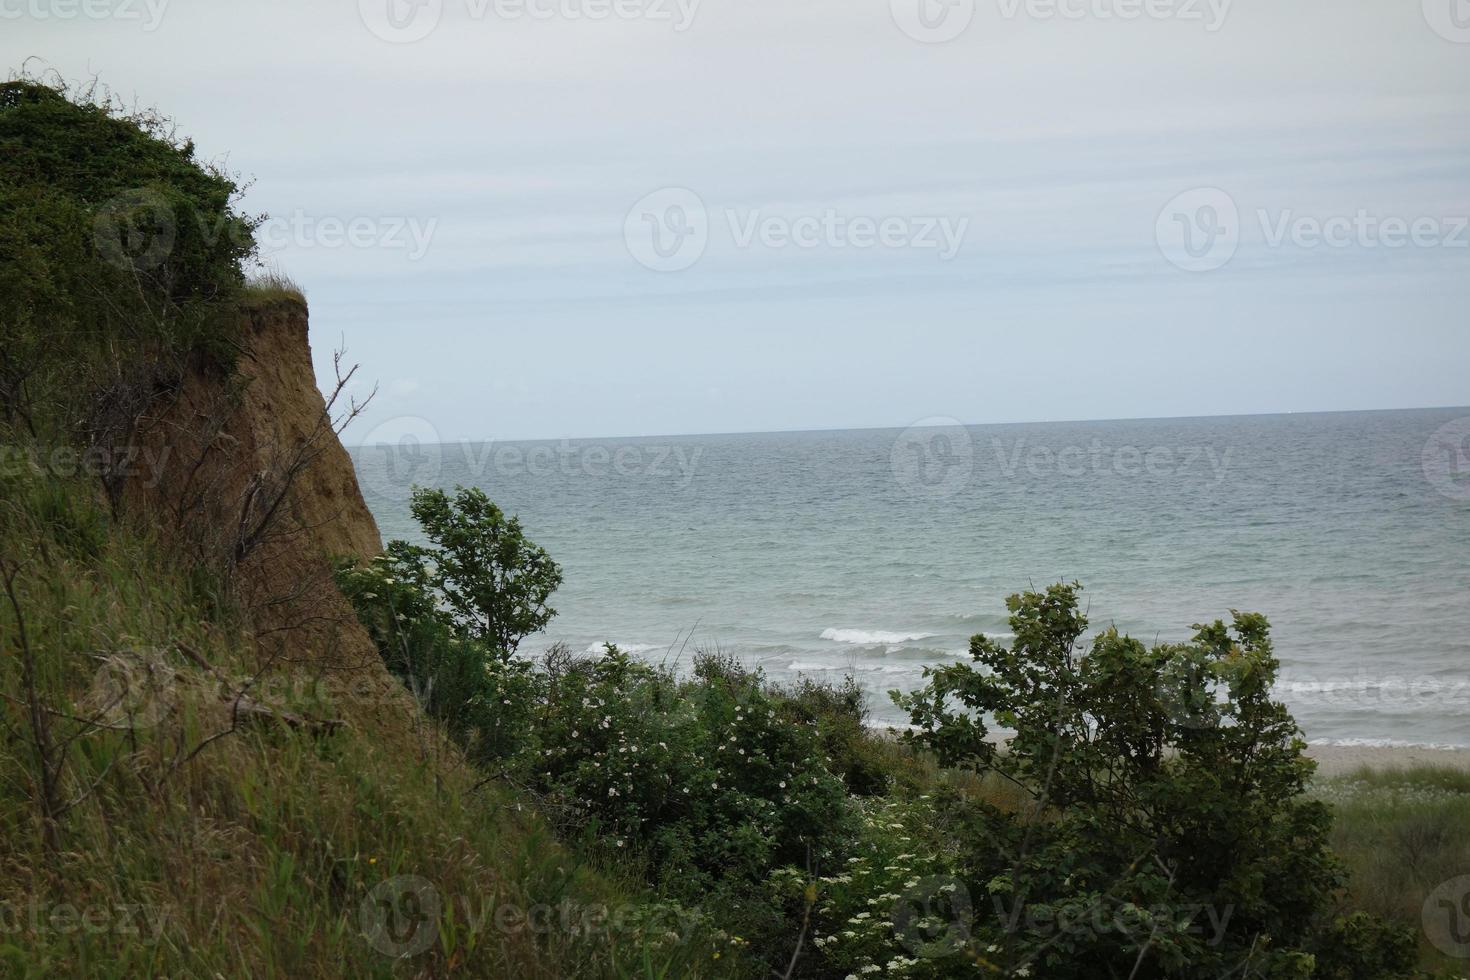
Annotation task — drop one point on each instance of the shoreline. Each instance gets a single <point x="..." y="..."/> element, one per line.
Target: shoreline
<point x="1343" y="760"/>
<point x="1335" y="761"/>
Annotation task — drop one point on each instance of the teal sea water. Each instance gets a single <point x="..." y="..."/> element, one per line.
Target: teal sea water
<point x="877" y="552"/>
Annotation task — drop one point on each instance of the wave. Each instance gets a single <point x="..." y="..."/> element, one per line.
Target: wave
<point x="806" y="667"/>
<point x="871" y="637"/>
<point x="598" y="649"/>
<point x="1384" y="743"/>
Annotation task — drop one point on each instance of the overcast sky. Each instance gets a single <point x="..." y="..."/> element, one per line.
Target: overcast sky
<point x="529" y="220"/>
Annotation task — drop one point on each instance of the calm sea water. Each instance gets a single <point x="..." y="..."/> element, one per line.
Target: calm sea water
<point x="877" y="552"/>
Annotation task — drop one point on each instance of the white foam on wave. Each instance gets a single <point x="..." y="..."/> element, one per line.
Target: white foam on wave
<point x="1384" y="743"/>
<point x="804" y="666"/>
<point x="871" y="637"/>
<point x="598" y="649"/>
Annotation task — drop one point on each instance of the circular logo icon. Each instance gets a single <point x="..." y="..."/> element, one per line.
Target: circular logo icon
<point x="668" y="230"/>
<point x="1450" y="19"/>
<point x="933" y="21"/>
<point x="131" y="691"/>
<point x="1186" y="691"/>
<point x="1199" y="230"/>
<point x="1446" y="459"/>
<point x="934" y="458"/>
<point x="399" y="918"/>
<point x="135" y="230"/>
<point x="397" y="455"/>
<point x="400" y="21"/>
<point x="933" y="918"/>
<point x="1447" y="918"/>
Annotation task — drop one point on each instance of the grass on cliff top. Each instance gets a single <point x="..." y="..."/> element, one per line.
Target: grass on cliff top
<point x="269" y="852"/>
<point x="272" y="287"/>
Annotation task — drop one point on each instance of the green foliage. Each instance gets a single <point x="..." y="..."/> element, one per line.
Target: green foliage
<point x="707" y="776"/>
<point x="1166" y="810"/>
<point x="496" y="583"/>
<point x="123" y="256"/>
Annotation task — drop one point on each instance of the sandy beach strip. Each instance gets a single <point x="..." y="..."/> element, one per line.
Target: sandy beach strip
<point x="1343" y="760"/>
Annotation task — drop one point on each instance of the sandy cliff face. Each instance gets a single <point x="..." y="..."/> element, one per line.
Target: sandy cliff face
<point x="246" y="474"/>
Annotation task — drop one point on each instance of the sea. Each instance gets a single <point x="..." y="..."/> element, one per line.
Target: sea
<point x="880" y="552"/>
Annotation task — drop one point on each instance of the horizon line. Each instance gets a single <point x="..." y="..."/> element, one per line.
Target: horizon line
<point x="967" y="425"/>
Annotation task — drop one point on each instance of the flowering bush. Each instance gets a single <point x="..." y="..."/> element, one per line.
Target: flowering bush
<point x="706" y="775"/>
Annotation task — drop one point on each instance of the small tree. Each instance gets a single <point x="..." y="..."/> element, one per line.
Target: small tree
<point x="1166" y="831"/>
<point x="496" y="582"/>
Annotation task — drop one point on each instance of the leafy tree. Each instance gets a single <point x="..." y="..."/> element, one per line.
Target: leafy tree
<point x="496" y="583"/>
<point x="1165" y="831"/>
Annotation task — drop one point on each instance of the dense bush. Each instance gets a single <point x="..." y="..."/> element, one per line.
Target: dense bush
<point x="1166" y="831"/>
<point x="123" y="255"/>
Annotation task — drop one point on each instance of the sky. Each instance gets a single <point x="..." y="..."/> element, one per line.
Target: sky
<point x="582" y="218"/>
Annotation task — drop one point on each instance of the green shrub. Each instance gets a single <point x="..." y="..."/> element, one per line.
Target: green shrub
<point x="124" y="256"/>
<point x="1167" y="833"/>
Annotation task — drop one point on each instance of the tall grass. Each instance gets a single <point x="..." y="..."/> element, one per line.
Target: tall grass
<point x="1403" y="833"/>
<point x="264" y="852"/>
